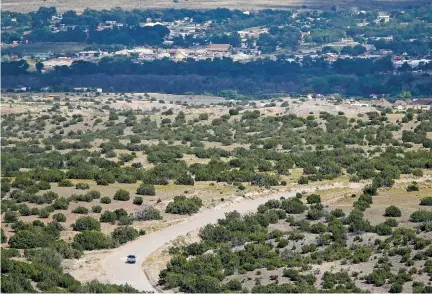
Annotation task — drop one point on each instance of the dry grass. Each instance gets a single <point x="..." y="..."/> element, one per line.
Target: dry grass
<point x="80" y="5"/>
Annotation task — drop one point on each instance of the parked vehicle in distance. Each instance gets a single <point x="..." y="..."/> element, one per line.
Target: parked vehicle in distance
<point x="131" y="259"/>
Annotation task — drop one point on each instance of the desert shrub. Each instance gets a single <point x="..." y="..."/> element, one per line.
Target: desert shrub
<point x="370" y="190"/>
<point x="361" y="254"/>
<point x="86" y="223"/>
<point x="108" y="216"/>
<point x="412" y="187"/>
<point x="303" y="180"/>
<point x="34" y="211"/>
<point x="184" y="205"/>
<point x="80" y="210"/>
<point x="61" y="203"/>
<point x="138" y="200"/>
<point x="148" y="213"/>
<point x="391" y="222"/>
<point x="82" y="186"/>
<point x="44" y="185"/>
<point x="120" y="213"/>
<point x="105" y="200"/>
<point x="97" y="209"/>
<point x="313" y="198"/>
<point x="427" y="201"/>
<point x="393" y="211"/>
<point x="125" y="220"/>
<point x="185" y="179"/>
<point x="10" y="217"/>
<point x="60" y="217"/>
<point x="24" y="210"/>
<point x="83" y="197"/>
<point x="93" y="240"/>
<point x="396" y="287"/>
<point x="31" y="239"/>
<point x="45" y="256"/>
<point x="44" y="213"/>
<point x="314" y="214"/>
<point x="337" y="213"/>
<point x="293" y="206"/>
<point x="421" y="216"/>
<point x="65" y="183"/>
<point x="124" y="234"/>
<point x="383" y="229"/>
<point x="233" y="111"/>
<point x="418" y="172"/>
<point x="3" y="237"/>
<point x="144" y="189"/>
<point x="94" y="194"/>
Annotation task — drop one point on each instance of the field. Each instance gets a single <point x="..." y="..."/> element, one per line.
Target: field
<point x="80" y="5"/>
<point x="55" y="48"/>
<point x="89" y="167"/>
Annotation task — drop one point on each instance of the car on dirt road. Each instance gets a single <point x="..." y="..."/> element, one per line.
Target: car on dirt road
<point x="131" y="259"/>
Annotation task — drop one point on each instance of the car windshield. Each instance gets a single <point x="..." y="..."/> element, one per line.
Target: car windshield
<point x="131" y="256"/>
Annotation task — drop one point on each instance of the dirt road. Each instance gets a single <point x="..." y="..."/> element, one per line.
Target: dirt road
<point x="116" y="269"/>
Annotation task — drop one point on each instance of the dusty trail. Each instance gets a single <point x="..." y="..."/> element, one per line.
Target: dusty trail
<point x="119" y="272"/>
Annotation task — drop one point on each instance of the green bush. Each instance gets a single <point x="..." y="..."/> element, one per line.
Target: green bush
<point x="418" y="172"/>
<point x="303" y="180"/>
<point x="337" y="213"/>
<point x="82" y="186"/>
<point x="148" y="213"/>
<point x="383" y="229"/>
<point x="105" y="200"/>
<point x="10" y="217"/>
<point x="370" y="190"/>
<point x="60" y="217"/>
<point x="391" y="222"/>
<point x="396" y="287"/>
<point x="24" y="210"/>
<point x="184" y="205"/>
<point x="65" y="183"/>
<point x="108" y="216"/>
<point x="125" y="220"/>
<point x="314" y="214"/>
<point x="413" y="187"/>
<point x="80" y="210"/>
<point x="44" y="213"/>
<point x="94" y="194"/>
<point x="293" y="206"/>
<point x="393" y="211"/>
<point x="421" y="216"/>
<point x="86" y="223"/>
<point x="185" y="179"/>
<point x="44" y="185"/>
<point x="120" y="213"/>
<point x="144" y="189"/>
<point x="3" y="237"/>
<point x="93" y="240"/>
<point x="31" y="239"/>
<point x="427" y="201"/>
<point x="313" y="198"/>
<point x="97" y="209"/>
<point x="124" y="234"/>
<point x="138" y="200"/>
<point x="122" y="195"/>
<point x="61" y="203"/>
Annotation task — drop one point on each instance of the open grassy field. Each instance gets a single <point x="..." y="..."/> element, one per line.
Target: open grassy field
<point x="55" y="48"/>
<point x="80" y="5"/>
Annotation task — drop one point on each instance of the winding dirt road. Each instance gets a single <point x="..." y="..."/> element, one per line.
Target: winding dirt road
<point x="117" y="271"/>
